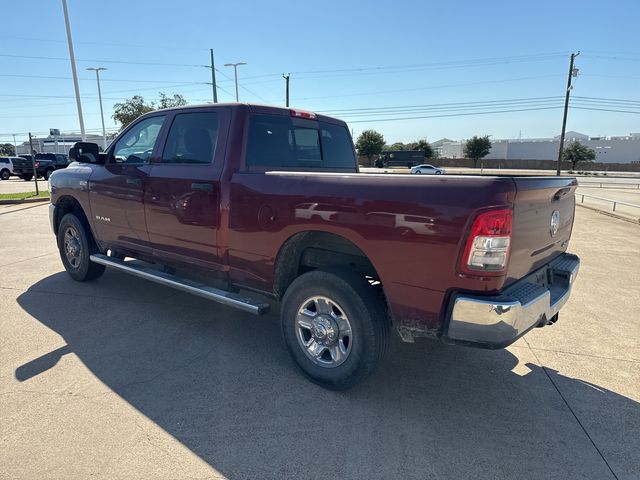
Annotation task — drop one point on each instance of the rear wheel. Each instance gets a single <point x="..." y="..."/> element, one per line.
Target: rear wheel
<point x="76" y="244"/>
<point x="47" y="173"/>
<point x="5" y="174"/>
<point x="335" y="327"/>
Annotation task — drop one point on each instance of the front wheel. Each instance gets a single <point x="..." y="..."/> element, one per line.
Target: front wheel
<point x="5" y="174"/>
<point x="418" y="172"/>
<point x="76" y="244"/>
<point x="335" y="327"/>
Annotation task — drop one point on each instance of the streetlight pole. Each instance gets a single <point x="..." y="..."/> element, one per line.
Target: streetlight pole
<point x="286" y="79"/>
<point x="572" y="74"/>
<point x="104" y="132"/>
<point x="72" y="58"/>
<point x="213" y="78"/>
<point x="235" y="74"/>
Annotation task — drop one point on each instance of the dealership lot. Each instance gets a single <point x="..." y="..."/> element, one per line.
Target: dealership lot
<point x="120" y="378"/>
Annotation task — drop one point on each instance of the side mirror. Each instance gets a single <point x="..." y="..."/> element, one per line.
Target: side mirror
<point x="86" y="152"/>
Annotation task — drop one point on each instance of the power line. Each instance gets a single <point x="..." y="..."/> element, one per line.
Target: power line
<point x="454" y="115"/>
<point x="242" y="86"/>
<point x="122" y="62"/>
<point x="432" y="87"/>
<point x="109" y="44"/>
<point x="443" y="104"/>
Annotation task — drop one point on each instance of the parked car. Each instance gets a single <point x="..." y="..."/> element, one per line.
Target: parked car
<point x="232" y="193"/>
<point x="6" y="168"/>
<point x="426" y="169"/>
<point x="45" y="165"/>
<point x="23" y="167"/>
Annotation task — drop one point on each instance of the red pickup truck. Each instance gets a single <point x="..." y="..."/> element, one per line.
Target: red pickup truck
<point x="239" y="203"/>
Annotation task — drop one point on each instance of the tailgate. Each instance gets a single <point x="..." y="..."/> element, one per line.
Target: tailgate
<point x="541" y="204"/>
<point x="21" y="164"/>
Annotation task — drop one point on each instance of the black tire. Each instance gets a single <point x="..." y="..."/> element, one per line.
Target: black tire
<point x="366" y="313"/>
<point x="438" y="172"/>
<point x="5" y="174"/>
<point x="417" y="172"/>
<point x="47" y="173"/>
<point x="77" y="265"/>
<point x="26" y="178"/>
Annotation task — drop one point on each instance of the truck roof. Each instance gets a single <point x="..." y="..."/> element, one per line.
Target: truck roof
<point x="254" y="108"/>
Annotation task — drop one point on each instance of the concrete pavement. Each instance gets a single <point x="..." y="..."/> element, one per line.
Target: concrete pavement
<point x="120" y="378"/>
<point x="17" y="185"/>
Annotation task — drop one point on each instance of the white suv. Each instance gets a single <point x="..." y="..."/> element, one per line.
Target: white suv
<point x="6" y="168"/>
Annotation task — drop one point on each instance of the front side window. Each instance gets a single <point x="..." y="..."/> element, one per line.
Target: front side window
<point x="280" y="142"/>
<point x="192" y="138"/>
<point x="136" y="146"/>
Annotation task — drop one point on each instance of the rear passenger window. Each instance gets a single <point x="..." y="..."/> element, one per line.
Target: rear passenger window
<point x="192" y="138"/>
<point x="281" y="142"/>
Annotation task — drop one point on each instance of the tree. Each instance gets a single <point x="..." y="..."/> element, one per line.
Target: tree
<point x="396" y="146"/>
<point x="422" y="145"/>
<point x="477" y="148"/>
<point x="126" y="112"/>
<point x="576" y="152"/>
<point x="370" y="143"/>
<point x="7" y="149"/>
<point x="168" y="102"/>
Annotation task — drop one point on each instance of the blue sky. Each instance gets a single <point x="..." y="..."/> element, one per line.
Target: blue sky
<point x="368" y="62"/>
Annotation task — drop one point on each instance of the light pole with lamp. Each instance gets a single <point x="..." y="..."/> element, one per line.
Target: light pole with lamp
<point x="235" y="74"/>
<point x="104" y="133"/>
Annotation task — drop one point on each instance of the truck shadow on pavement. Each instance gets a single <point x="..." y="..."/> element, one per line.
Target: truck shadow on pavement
<point x="221" y="383"/>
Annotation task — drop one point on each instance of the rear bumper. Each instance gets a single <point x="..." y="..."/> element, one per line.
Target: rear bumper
<point x="498" y="321"/>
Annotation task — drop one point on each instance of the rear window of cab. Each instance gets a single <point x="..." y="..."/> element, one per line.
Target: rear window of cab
<point x="277" y="141"/>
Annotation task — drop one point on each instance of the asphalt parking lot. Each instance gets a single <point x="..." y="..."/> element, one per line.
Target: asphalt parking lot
<point x="120" y="378"/>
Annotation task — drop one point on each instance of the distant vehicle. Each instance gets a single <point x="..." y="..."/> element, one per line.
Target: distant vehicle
<point x="400" y="158"/>
<point x="6" y="168"/>
<point x="426" y="169"/>
<point x="23" y="167"/>
<point x="45" y="165"/>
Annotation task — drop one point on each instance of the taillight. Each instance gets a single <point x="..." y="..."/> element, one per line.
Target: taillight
<point x="36" y="164"/>
<point x="303" y="114"/>
<point x="487" y="249"/>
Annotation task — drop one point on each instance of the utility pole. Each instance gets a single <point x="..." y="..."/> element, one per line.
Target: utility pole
<point x="213" y="78"/>
<point x="572" y="73"/>
<point x="72" y="58"/>
<point x="286" y="78"/>
<point x="104" y="132"/>
<point x="235" y="74"/>
<point x="15" y="145"/>
<point x="33" y="163"/>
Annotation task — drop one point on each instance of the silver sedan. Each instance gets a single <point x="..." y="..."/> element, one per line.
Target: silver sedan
<point x="426" y="169"/>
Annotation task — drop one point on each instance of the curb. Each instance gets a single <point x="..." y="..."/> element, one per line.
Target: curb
<point x="610" y="214"/>
<point x="26" y="200"/>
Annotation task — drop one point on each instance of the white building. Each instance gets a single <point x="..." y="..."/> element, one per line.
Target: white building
<point x="60" y="144"/>
<point x="614" y="149"/>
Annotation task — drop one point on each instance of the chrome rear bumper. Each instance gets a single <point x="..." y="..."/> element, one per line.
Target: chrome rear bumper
<point x="499" y="320"/>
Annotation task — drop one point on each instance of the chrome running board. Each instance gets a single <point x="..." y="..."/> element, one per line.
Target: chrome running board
<point x="210" y="293"/>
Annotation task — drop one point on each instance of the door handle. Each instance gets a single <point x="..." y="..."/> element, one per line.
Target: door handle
<point x="134" y="181"/>
<point x="204" y="187"/>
